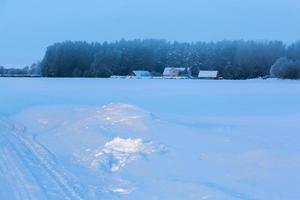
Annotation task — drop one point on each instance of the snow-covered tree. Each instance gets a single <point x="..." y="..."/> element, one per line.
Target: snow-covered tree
<point x="286" y="68"/>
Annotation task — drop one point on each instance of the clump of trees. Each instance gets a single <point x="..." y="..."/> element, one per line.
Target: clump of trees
<point x="233" y="59"/>
<point x="286" y="69"/>
<point x="34" y="69"/>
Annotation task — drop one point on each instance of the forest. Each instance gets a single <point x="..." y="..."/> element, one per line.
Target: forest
<point x="237" y="59"/>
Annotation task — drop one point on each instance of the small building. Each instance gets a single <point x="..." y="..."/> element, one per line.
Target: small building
<point x="208" y="74"/>
<point x="140" y="73"/>
<point x="173" y="72"/>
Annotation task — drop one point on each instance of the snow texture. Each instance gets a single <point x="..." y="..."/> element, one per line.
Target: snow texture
<point x="90" y="139"/>
<point x="118" y="152"/>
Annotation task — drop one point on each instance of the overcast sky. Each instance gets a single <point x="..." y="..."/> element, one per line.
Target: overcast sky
<point x="29" y="26"/>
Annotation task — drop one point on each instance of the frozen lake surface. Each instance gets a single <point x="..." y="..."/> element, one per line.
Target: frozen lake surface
<point x="93" y="139"/>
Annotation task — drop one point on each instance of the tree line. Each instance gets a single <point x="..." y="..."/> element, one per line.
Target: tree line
<point x="34" y="69"/>
<point x="233" y="59"/>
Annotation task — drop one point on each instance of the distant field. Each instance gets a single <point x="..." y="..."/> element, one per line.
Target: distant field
<point x="93" y="139"/>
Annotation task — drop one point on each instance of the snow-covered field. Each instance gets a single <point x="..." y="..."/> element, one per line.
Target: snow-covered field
<point x="96" y="139"/>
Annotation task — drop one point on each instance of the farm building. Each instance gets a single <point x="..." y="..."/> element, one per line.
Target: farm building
<point x="140" y="73"/>
<point x="173" y="72"/>
<point x="208" y="74"/>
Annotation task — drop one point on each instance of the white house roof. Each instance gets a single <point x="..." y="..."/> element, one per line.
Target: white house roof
<point x="141" y="73"/>
<point x="208" y="74"/>
<point x="173" y="71"/>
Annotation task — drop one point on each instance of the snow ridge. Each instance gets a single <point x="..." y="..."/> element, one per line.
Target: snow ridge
<point x="119" y="152"/>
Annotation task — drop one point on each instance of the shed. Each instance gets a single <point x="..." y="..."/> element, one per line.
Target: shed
<point x="208" y="74"/>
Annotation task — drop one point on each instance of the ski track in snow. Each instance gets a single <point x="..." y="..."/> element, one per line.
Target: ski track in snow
<point x="36" y="174"/>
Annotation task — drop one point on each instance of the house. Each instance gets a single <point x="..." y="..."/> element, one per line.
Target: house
<point x="173" y="72"/>
<point x="208" y="74"/>
<point x="140" y="73"/>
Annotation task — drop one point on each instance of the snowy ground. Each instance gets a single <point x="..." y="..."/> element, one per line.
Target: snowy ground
<point x="93" y="139"/>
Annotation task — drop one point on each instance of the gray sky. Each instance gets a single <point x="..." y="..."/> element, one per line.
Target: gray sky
<point x="29" y="26"/>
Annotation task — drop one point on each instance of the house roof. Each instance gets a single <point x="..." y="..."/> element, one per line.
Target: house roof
<point x="173" y="71"/>
<point x="208" y="74"/>
<point x="141" y="73"/>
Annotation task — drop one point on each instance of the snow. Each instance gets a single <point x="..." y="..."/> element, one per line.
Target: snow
<point x="118" y="152"/>
<point x="121" y="114"/>
<point x="134" y="139"/>
<point x="121" y="191"/>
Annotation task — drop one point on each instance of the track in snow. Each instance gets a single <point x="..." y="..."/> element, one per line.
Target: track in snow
<point x="30" y="170"/>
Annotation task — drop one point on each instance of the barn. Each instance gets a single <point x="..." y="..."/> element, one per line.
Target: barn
<point x="173" y="72"/>
<point x="140" y="73"/>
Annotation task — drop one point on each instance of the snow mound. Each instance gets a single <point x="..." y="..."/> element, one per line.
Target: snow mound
<point x="121" y="191"/>
<point x="119" y="145"/>
<point x="123" y="115"/>
<point x="119" y="152"/>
